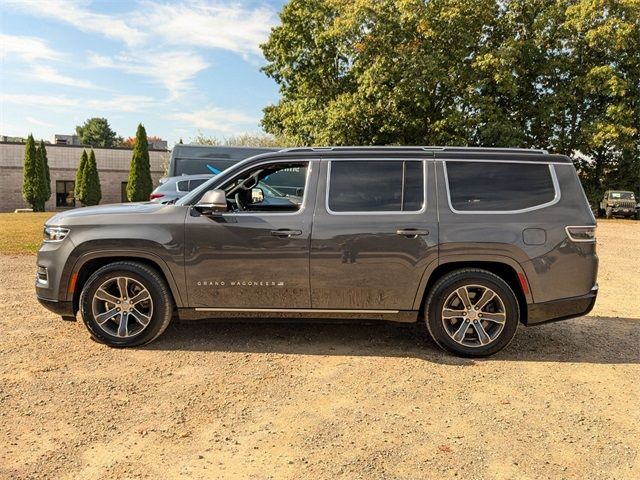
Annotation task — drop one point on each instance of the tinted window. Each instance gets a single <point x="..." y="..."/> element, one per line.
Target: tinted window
<point x="183" y="186"/>
<point x="376" y="186"/>
<point x="193" y="184"/>
<point x="498" y="186"/>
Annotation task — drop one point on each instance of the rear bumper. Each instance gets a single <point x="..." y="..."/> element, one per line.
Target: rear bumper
<point x="562" y="309"/>
<point x="64" y="309"/>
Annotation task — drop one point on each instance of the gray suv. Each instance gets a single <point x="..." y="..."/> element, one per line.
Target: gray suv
<point x="468" y="242"/>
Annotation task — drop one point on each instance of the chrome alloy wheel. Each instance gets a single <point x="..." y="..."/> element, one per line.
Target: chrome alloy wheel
<point x="122" y="307"/>
<point x="474" y="315"/>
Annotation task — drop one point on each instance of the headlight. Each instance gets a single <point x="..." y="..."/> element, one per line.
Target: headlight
<point x="54" y="234"/>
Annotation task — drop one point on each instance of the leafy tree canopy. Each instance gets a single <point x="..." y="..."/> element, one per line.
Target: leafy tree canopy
<point x="96" y="132"/>
<point x="561" y="75"/>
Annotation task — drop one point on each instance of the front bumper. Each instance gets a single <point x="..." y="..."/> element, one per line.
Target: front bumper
<point x="624" y="211"/>
<point x="562" y="309"/>
<point x="64" y="309"/>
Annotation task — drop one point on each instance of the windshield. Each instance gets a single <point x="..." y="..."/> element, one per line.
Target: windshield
<point x="622" y="195"/>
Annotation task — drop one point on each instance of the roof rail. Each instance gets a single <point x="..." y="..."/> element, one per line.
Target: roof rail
<point x="414" y="148"/>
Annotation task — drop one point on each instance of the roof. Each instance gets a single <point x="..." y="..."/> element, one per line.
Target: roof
<point x="443" y="153"/>
<point x="417" y="149"/>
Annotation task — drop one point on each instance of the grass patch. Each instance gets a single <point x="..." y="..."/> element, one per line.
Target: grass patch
<point x="22" y="232"/>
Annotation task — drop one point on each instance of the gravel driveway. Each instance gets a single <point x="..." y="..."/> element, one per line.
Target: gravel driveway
<point x="214" y="400"/>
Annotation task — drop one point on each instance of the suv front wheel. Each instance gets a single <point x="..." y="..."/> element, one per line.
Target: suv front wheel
<point x="472" y="313"/>
<point x="126" y="304"/>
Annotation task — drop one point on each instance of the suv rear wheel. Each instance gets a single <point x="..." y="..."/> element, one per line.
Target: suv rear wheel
<point x="472" y="313"/>
<point x="125" y="304"/>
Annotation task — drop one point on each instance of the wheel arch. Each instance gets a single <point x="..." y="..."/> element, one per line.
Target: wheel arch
<point x="88" y="263"/>
<point x="504" y="267"/>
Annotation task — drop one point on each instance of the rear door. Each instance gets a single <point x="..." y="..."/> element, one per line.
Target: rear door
<point x="375" y="230"/>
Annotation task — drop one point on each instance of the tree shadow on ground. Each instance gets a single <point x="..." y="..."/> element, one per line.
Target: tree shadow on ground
<point x="597" y="340"/>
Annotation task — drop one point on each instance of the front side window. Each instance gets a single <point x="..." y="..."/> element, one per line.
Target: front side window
<point x="498" y="186"/>
<point x="376" y="186"/>
<point x="64" y="194"/>
<point x="276" y="188"/>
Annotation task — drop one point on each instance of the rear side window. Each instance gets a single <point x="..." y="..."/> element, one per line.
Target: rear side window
<point x="193" y="184"/>
<point x="376" y="186"/>
<point x="498" y="187"/>
<point x="183" y="186"/>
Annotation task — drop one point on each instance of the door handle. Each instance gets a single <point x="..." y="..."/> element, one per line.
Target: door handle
<point x="412" y="232"/>
<point x="285" y="233"/>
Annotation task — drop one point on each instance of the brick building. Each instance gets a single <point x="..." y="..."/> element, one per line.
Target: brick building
<point x="113" y="168"/>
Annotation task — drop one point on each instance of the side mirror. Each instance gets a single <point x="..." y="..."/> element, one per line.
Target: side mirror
<point x="212" y="202"/>
<point x="257" y="195"/>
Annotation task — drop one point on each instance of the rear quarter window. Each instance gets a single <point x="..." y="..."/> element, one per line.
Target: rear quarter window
<point x="498" y="186"/>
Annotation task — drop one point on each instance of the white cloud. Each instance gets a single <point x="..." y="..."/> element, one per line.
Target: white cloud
<point x="35" y="121"/>
<point x="173" y="70"/>
<point x="217" y="24"/>
<point x="26" y="48"/>
<point x="75" y="13"/>
<point x="51" y="75"/>
<point x="119" y="103"/>
<point x="219" y="119"/>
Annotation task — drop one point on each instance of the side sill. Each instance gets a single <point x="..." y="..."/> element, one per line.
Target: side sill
<point x="402" y="316"/>
<point x="562" y="309"/>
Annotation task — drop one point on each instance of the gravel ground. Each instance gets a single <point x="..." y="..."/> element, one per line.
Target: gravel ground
<point x="212" y="400"/>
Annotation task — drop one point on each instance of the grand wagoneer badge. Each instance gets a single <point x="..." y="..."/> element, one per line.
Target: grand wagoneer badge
<point x="223" y="283"/>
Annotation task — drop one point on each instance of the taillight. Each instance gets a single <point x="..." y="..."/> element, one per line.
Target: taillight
<point x="582" y="234"/>
<point x="153" y="196"/>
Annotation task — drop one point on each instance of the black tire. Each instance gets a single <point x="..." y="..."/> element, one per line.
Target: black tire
<point x="140" y="274"/>
<point x="477" y="279"/>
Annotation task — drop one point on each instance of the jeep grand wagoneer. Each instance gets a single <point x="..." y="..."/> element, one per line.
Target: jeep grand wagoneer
<point x="468" y="242"/>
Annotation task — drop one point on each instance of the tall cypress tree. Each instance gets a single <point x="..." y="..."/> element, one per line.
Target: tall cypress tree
<point x="42" y="150"/>
<point x="79" y="190"/>
<point x="91" y="181"/>
<point x="32" y="176"/>
<point x="140" y="185"/>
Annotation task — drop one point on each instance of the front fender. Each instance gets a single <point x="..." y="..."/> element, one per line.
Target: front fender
<point x="172" y="267"/>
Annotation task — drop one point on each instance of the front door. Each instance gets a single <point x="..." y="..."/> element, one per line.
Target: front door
<point x="256" y="255"/>
<point x="375" y="231"/>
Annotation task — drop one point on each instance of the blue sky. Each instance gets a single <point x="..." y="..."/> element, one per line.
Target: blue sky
<point x="178" y="67"/>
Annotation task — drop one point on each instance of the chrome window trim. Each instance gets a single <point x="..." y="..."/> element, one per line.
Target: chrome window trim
<point x="384" y="212"/>
<point x="554" y="180"/>
<point x="576" y="240"/>
<point x="303" y="205"/>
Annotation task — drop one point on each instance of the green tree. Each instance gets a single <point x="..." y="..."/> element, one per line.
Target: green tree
<point x="33" y="183"/>
<point x="562" y="75"/>
<point x="96" y="132"/>
<point x="79" y="191"/>
<point x="140" y="185"/>
<point x="91" y="181"/>
<point x="241" y="140"/>
<point x="44" y="164"/>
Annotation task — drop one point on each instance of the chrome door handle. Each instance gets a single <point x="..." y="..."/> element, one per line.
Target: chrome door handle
<point x="412" y="232"/>
<point x="285" y="233"/>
